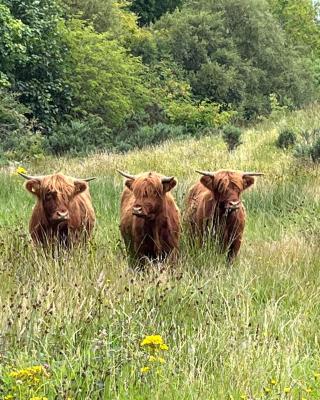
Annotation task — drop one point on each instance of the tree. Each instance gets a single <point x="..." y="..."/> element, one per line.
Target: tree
<point x="151" y="10"/>
<point x="230" y="56"/>
<point x="35" y="66"/>
<point x="299" y="19"/>
<point x="105" y="79"/>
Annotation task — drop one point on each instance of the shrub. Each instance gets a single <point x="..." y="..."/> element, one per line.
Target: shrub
<point x="24" y="146"/>
<point x="309" y="147"/>
<point x="286" y="139"/>
<point x="197" y="115"/>
<point x="232" y="136"/>
<point x="17" y="137"/>
<point x="147" y="136"/>
<point x="79" y="137"/>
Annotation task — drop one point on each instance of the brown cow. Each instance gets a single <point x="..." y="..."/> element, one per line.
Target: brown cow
<point x="150" y="219"/>
<point x="63" y="212"/>
<point x="214" y="208"/>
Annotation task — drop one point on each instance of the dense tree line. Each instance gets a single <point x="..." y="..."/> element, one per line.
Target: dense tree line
<point x="78" y="75"/>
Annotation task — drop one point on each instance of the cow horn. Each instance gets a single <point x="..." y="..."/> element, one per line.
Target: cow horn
<point x="206" y="173"/>
<point x="253" y="174"/>
<point x="126" y="175"/>
<point x="167" y="179"/>
<point x="29" y="177"/>
<point x="88" y="179"/>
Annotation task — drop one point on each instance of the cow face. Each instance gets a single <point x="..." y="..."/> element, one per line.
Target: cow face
<point x="149" y="191"/>
<point x="55" y="192"/>
<point x="227" y="187"/>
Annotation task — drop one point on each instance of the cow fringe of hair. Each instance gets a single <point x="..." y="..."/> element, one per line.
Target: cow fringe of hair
<point x="59" y="183"/>
<point x="225" y="178"/>
<point x="148" y="186"/>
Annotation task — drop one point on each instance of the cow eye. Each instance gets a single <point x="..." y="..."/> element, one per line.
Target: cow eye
<point x="49" y="195"/>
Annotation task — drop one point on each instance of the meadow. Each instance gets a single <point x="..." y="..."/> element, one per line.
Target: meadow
<point x="72" y="327"/>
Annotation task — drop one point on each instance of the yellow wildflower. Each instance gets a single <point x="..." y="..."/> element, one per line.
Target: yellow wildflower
<point x="308" y="390"/>
<point x="30" y="375"/>
<point x="316" y="374"/>
<point x="161" y="360"/>
<point x="267" y="390"/>
<point x="273" y="381"/>
<point x="243" y="397"/>
<point x="21" y="170"/>
<point x="152" y="340"/>
<point x="152" y="359"/>
<point x="164" y="346"/>
<point x="287" y="390"/>
<point x="9" y="397"/>
<point x="144" y="370"/>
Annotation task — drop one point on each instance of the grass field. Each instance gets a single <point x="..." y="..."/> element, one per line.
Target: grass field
<point x="246" y="332"/>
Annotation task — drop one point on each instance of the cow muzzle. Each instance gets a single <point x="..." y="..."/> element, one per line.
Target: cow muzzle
<point x="138" y="212"/>
<point x="62" y="215"/>
<point x="231" y="206"/>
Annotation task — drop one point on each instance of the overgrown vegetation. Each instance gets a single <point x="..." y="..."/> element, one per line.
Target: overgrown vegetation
<point x="287" y="138"/>
<point x="232" y="136"/>
<point x="199" y="65"/>
<point x="75" y="327"/>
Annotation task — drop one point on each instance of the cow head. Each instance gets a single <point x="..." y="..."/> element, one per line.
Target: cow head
<point x="55" y="193"/>
<point x="149" y="190"/>
<point x="227" y="186"/>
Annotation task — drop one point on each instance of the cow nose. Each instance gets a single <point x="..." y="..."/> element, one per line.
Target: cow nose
<point x="234" y="204"/>
<point x="63" y="214"/>
<point x="137" y="210"/>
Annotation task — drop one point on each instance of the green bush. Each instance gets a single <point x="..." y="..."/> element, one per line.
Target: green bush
<point x="79" y="137"/>
<point x="286" y="139"/>
<point x="309" y="147"/>
<point x="195" y="116"/>
<point x="17" y="137"/>
<point x="147" y="136"/>
<point x="232" y="136"/>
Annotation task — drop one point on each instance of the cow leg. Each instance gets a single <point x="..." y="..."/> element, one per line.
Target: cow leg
<point x="233" y="249"/>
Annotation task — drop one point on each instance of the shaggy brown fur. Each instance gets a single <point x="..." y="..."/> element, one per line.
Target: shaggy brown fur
<point x="63" y="211"/>
<point x="150" y="219"/>
<point x="214" y="209"/>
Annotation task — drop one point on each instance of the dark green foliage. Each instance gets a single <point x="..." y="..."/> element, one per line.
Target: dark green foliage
<point x="37" y="65"/>
<point x="17" y="137"/>
<point x="286" y="139"/>
<point x="234" y="52"/>
<point x="147" y="136"/>
<point x="151" y="10"/>
<point x="309" y="146"/>
<point x="232" y="136"/>
<point x="196" y="65"/>
<point x="79" y="137"/>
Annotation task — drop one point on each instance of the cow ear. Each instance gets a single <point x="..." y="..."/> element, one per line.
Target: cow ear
<point x="80" y="186"/>
<point x="129" y="183"/>
<point x="33" y="186"/>
<point x="167" y="186"/>
<point x="207" y="181"/>
<point x="247" y="182"/>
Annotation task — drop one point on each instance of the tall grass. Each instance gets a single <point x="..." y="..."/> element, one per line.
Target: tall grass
<point x="229" y="330"/>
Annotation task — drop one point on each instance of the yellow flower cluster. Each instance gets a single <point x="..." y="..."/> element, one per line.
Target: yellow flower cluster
<point x="20" y="170"/>
<point x="29" y="375"/>
<point x="154" y="341"/>
<point x="153" y="344"/>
